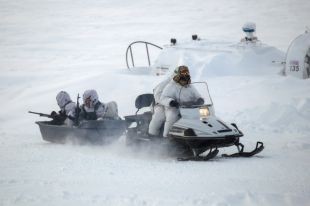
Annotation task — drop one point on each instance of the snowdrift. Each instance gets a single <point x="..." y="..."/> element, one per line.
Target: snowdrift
<point x="207" y="58"/>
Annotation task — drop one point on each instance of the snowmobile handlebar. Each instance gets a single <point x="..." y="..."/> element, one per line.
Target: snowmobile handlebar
<point x="192" y="104"/>
<point x="189" y="105"/>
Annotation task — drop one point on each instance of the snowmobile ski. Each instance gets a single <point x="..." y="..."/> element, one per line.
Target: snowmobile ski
<point x="259" y="147"/>
<point x="210" y="155"/>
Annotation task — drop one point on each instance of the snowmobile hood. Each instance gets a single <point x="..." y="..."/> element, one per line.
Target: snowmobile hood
<point x="211" y="127"/>
<point x="203" y="127"/>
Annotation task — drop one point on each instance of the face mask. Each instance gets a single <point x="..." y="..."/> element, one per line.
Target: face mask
<point x="88" y="102"/>
<point x="184" y="79"/>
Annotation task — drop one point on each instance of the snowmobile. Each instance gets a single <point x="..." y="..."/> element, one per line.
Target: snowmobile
<point x="197" y="135"/>
<point x="102" y="131"/>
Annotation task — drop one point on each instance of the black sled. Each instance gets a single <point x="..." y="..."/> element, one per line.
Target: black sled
<point x="100" y="132"/>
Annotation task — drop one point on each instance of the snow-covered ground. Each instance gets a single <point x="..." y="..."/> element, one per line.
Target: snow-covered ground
<point x="53" y="45"/>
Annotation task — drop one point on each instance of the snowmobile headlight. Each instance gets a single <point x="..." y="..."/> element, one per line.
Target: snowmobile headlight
<point x="204" y="112"/>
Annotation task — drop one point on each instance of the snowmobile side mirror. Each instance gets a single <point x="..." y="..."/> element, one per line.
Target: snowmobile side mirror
<point x="144" y="100"/>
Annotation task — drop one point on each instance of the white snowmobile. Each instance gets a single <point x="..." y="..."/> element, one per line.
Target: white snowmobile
<point x="197" y="135"/>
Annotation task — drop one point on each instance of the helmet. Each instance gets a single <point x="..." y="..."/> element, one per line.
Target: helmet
<point x="90" y="98"/>
<point x="182" y="75"/>
<point x="249" y="27"/>
<point x="62" y="98"/>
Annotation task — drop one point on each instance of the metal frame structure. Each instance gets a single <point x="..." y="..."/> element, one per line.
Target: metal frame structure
<point x="129" y="50"/>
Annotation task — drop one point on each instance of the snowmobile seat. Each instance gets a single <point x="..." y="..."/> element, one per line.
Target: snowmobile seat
<point x="144" y="100"/>
<point x="142" y="120"/>
<point x="146" y="116"/>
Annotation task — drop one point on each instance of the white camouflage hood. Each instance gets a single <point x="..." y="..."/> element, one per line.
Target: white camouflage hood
<point x="92" y="94"/>
<point x="62" y="99"/>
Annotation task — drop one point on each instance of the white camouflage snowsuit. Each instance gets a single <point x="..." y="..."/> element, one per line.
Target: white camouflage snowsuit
<point x="159" y="116"/>
<point x="67" y="106"/>
<point x="180" y="94"/>
<point x="97" y="109"/>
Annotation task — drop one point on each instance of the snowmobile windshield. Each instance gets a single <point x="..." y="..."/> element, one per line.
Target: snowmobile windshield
<point x="195" y="95"/>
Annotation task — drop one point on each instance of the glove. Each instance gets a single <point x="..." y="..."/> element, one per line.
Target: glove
<point x="58" y="119"/>
<point x="200" y="101"/>
<point x="53" y="114"/>
<point x="174" y="103"/>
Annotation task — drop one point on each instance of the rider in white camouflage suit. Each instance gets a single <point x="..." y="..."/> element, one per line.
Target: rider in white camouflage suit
<point x="172" y="97"/>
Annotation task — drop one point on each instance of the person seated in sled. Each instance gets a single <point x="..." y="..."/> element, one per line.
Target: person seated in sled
<point x="66" y="115"/>
<point x="172" y="96"/>
<point x="93" y="109"/>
